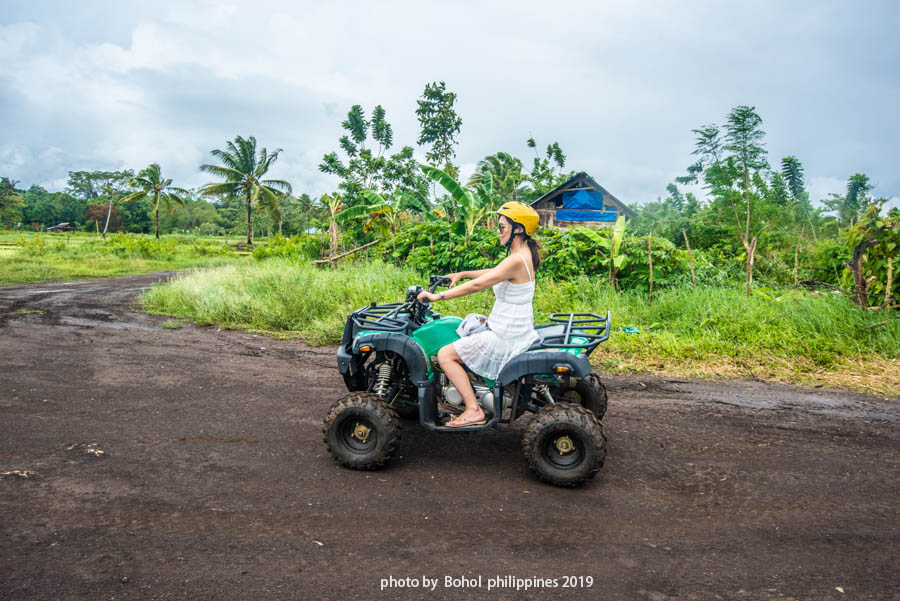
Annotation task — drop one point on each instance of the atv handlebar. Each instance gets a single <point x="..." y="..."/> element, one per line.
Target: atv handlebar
<point x="387" y="317"/>
<point x="437" y="280"/>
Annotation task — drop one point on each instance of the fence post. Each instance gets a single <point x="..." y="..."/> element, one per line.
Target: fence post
<point x="650" y="260"/>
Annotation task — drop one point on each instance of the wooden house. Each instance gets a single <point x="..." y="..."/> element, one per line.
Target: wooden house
<point x="580" y="201"/>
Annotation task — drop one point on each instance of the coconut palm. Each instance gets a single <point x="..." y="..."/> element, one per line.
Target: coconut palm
<point x="160" y="191"/>
<point x="242" y="169"/>
<point x="506" y="171"/>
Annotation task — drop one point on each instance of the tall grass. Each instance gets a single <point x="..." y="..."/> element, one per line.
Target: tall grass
<point x="681" y="324"/>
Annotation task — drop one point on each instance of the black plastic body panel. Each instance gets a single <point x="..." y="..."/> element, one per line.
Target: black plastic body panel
<point x="404" y="346"/>
<point x="543" y="363"/>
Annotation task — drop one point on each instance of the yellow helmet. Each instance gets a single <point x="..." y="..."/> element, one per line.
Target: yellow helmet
<point x="521" y="214"/>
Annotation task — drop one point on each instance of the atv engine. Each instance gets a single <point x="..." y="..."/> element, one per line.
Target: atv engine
<point x="484" y="395"/>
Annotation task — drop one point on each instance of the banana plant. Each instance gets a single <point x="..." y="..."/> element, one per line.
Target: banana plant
<point x="470" y="206"/>
<point x="378" y="210"/>
<point x="335" y="205"/>
<point x="614" y="257"/>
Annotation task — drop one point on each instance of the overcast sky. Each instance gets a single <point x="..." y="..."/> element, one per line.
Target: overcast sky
<point x="113" y="85"/>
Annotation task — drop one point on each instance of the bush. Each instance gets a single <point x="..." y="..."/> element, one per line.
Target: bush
<point x="33" y="246"/>
<point x="211" y="249"/>
<point x="209" y="229"/>
<point x="125" y="245"/>
<point x="430" y="248"/>
<point x="298" y="247"/>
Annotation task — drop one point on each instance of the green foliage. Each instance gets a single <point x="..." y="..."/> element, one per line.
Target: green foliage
<point x="467" y="207"/>
<point x="209" y="229"/>
<point x="884" y="232"/>
<point x="670" y="264"/>
<point x="543" y="176"/>
<point x="10" y="203"/>
<point x="506" y="173"/>
<point x="33" y="246"/>
<point x="438" y="124"/>
<point x="365" y="169"/>
<point x="299" y="247"/>
<point x="125" y="245"/>
<point x="431" y="247"/>
<point x="91" y="185"/>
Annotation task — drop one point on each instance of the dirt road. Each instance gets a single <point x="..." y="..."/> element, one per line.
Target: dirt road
<point x="189" y="464"/>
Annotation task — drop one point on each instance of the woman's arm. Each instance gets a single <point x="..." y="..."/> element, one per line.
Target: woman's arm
<point x="485" y="278"/>
<point x="462" y="275"/>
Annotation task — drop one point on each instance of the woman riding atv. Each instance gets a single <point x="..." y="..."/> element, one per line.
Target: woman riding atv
<point x="510" y="326"/>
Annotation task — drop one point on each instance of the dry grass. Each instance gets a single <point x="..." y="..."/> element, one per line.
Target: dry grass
<point x="875" y="376"/>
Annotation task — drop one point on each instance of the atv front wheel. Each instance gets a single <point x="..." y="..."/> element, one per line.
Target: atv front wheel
<point x="589" y="392"/>
<point x="564" y="444"/>
<point x="361" y="431"/>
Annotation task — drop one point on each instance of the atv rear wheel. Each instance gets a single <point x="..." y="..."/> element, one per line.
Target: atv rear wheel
<point x="361" y="431"/>
<point x="564" y="444"/>
<point x="588" y="392"/>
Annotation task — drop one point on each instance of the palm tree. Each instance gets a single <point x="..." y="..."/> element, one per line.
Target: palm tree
<point x="242" y="169"/>
<point x="506" y="171"/>
<point x="159" y="190"/>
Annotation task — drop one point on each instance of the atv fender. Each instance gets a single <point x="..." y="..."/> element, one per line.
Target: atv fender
<point x="531" y="363"/>
<point x="406" y="347"/>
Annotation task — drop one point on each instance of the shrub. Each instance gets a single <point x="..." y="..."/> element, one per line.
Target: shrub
<point x="209" y="229"/>
<point x="430" y="248"/>
<point x="298" y="247"/>
<point x="125" y="245"/>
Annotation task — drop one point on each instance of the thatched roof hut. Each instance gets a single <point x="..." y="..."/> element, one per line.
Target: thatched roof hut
<point x="580" y="201"/>
<point x="65" y="226"/>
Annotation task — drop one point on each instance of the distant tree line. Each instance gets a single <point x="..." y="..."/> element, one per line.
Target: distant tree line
<point x="753" y="212"/>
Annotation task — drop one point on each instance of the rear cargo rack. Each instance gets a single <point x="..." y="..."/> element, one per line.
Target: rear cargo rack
<point x="381" y="318"/>
<point x="589" y="328"/>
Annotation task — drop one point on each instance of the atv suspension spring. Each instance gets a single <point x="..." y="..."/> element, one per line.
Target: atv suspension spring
<point x="383" y="381"/>
<point x="544" y="391"/>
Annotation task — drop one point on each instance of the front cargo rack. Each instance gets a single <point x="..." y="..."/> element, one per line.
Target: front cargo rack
<point x="583" y="331"/>
<point x="381" y="318"/>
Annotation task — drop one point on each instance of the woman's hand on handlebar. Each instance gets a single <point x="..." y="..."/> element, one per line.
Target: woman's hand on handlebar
<point x="454" y="278"/>
<point x="428" y="296"/>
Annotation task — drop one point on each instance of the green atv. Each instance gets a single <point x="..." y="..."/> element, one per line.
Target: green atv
<point x="388" y="358"/>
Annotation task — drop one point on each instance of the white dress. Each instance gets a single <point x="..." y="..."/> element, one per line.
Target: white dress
<point x="511" y="332"/>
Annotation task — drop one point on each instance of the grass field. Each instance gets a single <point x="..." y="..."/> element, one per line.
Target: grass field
<point x="41" y="257"/>
<point x="792" y="335"/>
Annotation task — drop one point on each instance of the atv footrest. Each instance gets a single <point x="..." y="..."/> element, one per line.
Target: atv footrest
<point x="440" y="427"/>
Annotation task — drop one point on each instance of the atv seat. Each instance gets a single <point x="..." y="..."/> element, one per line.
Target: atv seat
<point x="544" y="333"/>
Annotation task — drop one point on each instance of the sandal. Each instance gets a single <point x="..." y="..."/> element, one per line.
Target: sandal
<point x="464" y="423"/>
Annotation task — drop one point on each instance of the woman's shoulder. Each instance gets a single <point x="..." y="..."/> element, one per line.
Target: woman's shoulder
<point x="517" y="266"/>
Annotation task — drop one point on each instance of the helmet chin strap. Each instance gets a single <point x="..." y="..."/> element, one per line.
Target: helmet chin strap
<point x="509" y="242"/>
<point x="514" y="233"/>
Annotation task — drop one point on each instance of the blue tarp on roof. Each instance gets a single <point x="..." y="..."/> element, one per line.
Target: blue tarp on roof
<point x="584" y="215"/>
<point x="583" y="199"/>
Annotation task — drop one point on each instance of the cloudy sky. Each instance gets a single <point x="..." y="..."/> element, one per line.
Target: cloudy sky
<point x="110" y="85"/>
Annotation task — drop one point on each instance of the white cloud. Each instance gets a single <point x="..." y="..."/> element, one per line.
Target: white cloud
<point x="619" y="85"/>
